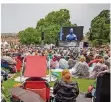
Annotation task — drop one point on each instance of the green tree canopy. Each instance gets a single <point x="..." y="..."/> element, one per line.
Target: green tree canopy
<point x="100" y="28"/>
<point x="29" y="36"/>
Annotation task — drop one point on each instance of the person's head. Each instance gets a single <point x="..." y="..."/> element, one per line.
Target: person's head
<point x="66" y="76"/>
<point x="58" y="58"/>
<point x="107" y="63"/>
<point x="91" y="56"/>
<point x="97" y="56"/>
<point x="39" y="51"/>
<point x="71" y="56"/>
<point x="8" y="54"/>
<point x="71" y="30"/>
<point x="82" y="59"/>
<point x="36" y="53"/>
<point x="106" y="57"/>
<point x="3" y="53"/>
<point x="101" y="60"/>
<point x="54" y="58"/>
<point x="50" y="51"/>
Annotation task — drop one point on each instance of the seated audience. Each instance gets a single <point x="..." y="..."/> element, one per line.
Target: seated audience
<point x="99" y="67"/>
<point x="81" y="68"/>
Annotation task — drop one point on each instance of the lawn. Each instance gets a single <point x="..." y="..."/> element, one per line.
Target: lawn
<point x="7" y="85"/>
<point x="83" y="85"/>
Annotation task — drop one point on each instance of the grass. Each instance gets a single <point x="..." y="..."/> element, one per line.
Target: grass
<point x="7" y="85"/>
<point x="83" y="85"/>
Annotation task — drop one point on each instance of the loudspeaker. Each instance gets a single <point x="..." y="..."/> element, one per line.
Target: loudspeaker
<point x="86" y="44"/>
<point x="57" y="39"/>
<point x="90" y="37"/>
<point x="42" y="36"/>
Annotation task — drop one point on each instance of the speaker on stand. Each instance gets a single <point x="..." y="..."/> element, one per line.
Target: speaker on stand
<point x="42" y="38"/>
<point x="86" y="44"/>
<point x="57" y="39"/>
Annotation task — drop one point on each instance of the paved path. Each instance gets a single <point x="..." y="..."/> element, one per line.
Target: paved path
<point x="81" y="98"/>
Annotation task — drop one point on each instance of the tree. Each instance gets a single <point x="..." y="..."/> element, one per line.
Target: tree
<point x="100" y="28"/>
<point x="29" y="36"/>
<point x="75" y="25"/>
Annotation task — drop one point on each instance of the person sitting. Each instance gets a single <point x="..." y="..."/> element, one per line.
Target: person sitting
<point x="63" y="63"/>
<point x="81" y="68"/>
<point x="71" y="62"/>
<point x="65" y="90"/>
<point x="92" y="90"/>
<point x="96" y="60"/>
<point x="99" y="67"/>
<point x="107" y="61"/>
<point x="54" y="63"/>
<point x="19" y="57"/>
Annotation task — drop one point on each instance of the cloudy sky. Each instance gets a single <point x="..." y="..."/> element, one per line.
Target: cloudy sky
<point x="17" y="17"/>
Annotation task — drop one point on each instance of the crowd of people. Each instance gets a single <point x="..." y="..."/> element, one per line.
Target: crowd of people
<point x="85" y="62"/>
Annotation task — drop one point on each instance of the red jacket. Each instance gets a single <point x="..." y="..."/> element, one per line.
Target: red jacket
<point x="93" y="61"/>
<point x="18" y="65"/>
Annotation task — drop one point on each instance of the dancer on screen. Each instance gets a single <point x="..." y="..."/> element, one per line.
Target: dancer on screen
<point x="71" y="36"/>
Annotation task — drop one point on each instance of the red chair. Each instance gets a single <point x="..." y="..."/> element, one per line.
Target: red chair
<point x="36" y="69"/>
<point x="38" y="86"/>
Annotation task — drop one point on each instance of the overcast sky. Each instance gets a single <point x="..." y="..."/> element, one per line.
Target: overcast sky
<point x="17" y="17"/>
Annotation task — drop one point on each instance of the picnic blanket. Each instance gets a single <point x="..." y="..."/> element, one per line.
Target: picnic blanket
<point x="26" y="95"/>
<point x="22" y="79"/>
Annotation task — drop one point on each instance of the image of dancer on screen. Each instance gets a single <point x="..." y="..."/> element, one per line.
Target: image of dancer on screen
<point x="71" y="36"/>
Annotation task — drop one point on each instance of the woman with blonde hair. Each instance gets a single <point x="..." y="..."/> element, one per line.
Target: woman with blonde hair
<point x="83" y="59"/>
<point x="65" y="90"/>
